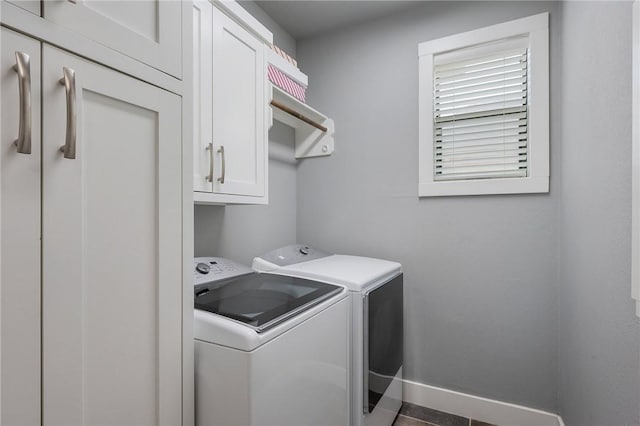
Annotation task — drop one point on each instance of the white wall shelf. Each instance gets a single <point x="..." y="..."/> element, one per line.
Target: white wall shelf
<point x="310" y="141"/>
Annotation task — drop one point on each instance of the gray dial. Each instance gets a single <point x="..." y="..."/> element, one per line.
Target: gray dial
<point x="203" y="268"/>
<point x="305" y="250"/>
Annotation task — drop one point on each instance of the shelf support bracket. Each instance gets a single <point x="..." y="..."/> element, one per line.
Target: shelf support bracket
<point x="299" y="116"/>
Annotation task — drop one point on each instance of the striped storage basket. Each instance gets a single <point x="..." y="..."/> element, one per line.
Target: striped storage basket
<point x="286" y="83"/>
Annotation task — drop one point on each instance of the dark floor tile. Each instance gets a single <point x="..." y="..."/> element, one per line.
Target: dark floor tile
<point x="479" y="423"/>
<point x="410" y="421"/>
<point x="439" y="418"/>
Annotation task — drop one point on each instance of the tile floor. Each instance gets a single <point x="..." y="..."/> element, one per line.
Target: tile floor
<point x="415" y="415"/>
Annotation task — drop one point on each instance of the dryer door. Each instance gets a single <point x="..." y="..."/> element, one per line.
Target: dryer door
<point x="383" y="327"/>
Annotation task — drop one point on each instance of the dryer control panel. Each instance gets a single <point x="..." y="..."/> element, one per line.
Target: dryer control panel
<point x="208" y="269"/>
<point x="285" y="256"/>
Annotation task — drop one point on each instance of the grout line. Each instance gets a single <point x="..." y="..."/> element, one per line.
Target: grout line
<point x="421" y="421"/>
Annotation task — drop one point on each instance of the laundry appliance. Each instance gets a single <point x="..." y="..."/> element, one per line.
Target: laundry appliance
<point x="376" y="300"/>
<point x="269" y="349"/>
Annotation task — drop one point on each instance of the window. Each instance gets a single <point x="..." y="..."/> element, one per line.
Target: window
<point x="484" y="111"/>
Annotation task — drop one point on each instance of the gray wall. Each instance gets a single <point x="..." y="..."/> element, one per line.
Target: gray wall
<point x="525" y="298"/>
<point x="599" y="338"/>
<point x="241" y="232"/>
<point x="480" y="272"/>
<point x="281" y="38"/>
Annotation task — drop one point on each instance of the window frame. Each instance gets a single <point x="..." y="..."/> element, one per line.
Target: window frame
<point x="536" y="28"/>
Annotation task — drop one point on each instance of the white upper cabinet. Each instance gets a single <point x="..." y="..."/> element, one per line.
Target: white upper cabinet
<point x="239" y="131"/>
<point x="231" y="106"/>
<point x="146" y="30"/>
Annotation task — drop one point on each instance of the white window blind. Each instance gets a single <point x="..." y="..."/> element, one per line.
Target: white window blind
<point x="480" y="117"/>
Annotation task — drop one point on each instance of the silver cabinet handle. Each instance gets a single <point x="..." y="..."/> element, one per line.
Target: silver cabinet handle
<point x="69" y="82"/>
<point x="221" y="151"/>
<point x="209" y="178"/>
<point x="23" y="68"/>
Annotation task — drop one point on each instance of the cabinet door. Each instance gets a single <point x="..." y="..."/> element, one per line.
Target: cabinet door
<point x="32" y="6"/>
<point x="20" y="236"/>
<point x="147" y="30"/>
<point x="202" y="95"/>
<point x="111" y="249"/>
<point x="239" y="128"/>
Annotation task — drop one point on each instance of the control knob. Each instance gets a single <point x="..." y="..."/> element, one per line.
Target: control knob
<point x="203" y="268"/>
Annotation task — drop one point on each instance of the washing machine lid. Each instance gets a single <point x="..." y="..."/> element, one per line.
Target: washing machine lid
<point x="356" y="273"/>
<point x="262" y="301"/>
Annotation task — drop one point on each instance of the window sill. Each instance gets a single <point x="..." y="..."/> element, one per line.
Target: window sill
<point x="528" y="185"/>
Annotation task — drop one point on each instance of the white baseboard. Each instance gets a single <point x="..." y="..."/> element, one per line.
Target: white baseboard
<point x="476" y="407"/>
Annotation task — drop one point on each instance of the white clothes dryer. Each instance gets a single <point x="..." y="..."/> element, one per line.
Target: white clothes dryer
<point x="269" y="349"/>
<point x="376" y="298"/>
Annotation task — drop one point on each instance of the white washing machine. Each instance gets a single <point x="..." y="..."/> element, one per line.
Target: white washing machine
<point x="270" y="350"/>
<point x="376" y="297"/>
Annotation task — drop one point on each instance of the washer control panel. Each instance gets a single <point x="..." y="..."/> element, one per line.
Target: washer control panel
<point x="288" y="255"/>
<point x="207" y="269"/>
